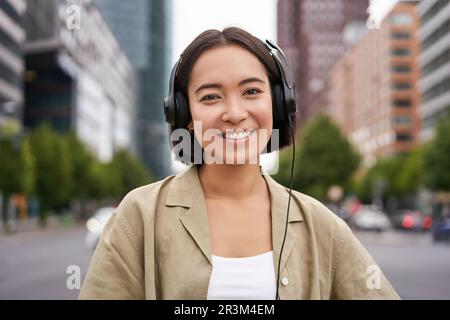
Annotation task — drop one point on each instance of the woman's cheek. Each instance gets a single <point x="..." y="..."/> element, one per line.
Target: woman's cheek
<point x="201" y="127"/>
<point x="265" y="115"/>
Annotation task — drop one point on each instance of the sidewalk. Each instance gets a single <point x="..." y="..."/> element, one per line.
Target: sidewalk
<point x="32" y="224"/>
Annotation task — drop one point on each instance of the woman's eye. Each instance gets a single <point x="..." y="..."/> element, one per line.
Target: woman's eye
<point x="252" y="91"/>
<point x="210" y="97"/>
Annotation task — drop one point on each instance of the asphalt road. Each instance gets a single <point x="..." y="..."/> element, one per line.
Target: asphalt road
<point x="416" y="267"/>
<point x="33" y="264"/>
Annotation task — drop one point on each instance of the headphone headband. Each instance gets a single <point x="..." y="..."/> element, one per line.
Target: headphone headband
<point x="286" y="76"/>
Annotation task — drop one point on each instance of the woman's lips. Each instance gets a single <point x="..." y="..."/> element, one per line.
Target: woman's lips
<point x="237" y="136"/>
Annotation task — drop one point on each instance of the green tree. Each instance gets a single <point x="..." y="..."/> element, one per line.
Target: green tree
<point x="116" y="178"/>
<point x="400" y="175"/>
<point x="53" y="168"/>
<point x="382" y="175"/>
<point x="437" y="158"/>
<point x="131" y="172"/>
<point x="16" y="167"/>
<point x="104" y="181"/>
<point x="324" y="158"/>
<point x="411" y="176"/>
<point x="81" y="161"/>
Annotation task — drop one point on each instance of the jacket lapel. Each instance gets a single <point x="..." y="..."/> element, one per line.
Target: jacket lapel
<point x="279" y="203"/>
<point x="186" y="191"/>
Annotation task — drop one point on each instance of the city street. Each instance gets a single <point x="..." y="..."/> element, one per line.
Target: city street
<point x="416" y="267"/>
<point x="34" y="263"/>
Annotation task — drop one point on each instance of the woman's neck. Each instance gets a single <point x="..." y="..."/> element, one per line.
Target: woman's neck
<point x="230" y="181"/>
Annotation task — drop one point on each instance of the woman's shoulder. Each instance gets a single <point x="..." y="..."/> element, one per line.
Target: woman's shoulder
<point x="150" y="190"/>
<point x="156" y="191"/>
<point x="140" y="203"/>
<point x="135" y="210"/>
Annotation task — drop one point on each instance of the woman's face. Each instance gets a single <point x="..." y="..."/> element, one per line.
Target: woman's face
<point x="229" y="91"/>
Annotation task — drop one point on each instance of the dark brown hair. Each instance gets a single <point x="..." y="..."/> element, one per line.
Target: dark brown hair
<point x="232" y="35"/>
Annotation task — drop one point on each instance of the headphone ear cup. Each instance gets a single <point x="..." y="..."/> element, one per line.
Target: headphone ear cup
<point x="278" y="108"/>
<point x="182" y="111"/>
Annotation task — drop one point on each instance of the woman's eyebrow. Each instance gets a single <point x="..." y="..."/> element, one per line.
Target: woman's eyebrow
<point x="207" y="86"/>
<point x="253" y="79"/>
<point x="218" y="85"/>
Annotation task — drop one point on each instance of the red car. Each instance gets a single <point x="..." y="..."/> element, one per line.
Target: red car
<point x="412" y="219"/>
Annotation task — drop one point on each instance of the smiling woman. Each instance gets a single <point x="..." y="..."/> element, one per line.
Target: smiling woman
<point x="239" y="98"/>
<point x="228" y="230"/>
<point x="237" y="80"/>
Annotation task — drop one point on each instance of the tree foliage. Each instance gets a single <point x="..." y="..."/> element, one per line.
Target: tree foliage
<point x="324" y="157"/>
<point x="437" y="158"/>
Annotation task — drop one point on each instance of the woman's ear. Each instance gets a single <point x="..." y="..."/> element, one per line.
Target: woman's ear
<point x="190" y="127"/>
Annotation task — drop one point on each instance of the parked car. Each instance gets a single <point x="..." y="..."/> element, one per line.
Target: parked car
<point x="409" y="219"/>
<point x="441" y="229"/>
<point x="370" y="217"/>
<point x="96" y="224"/>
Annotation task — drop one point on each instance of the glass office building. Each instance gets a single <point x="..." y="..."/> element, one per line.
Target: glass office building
<point x="435" y="62"/>
<point x="77" y="76"/>
<point x="143" y="29"/>
<point x="12" y="37"/>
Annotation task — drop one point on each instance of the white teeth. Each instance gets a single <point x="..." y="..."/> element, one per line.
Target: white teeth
<point x="238" y="135"/>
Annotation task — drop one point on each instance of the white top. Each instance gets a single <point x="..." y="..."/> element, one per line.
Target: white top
<point x="249" y="278"/>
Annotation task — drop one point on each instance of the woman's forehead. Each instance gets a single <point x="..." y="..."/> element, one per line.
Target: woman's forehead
<point x="225" y="63"/>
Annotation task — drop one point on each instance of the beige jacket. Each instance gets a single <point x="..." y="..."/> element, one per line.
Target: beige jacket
<point x="156" y="246"/>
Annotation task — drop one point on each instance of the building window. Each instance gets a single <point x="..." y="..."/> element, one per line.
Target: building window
<point x="440" y="32"/>
<point x="433" y="119"/>
<point x="401" y="19"/>
<point x="403" y="137"/>
<point x="400" y="35"/>
<point x="401" y="52"/>
<point x="437" y="62"/>
<point x="10" y="76"/>
<point x="401" y="86"/>
<point x="402" y="103"/>
<point x="402" y="120"/>
<point x="401" y="69"/>
<point x="437" y="90"/>
<point x="431" y="12"/>
<point x="10" y="12"/>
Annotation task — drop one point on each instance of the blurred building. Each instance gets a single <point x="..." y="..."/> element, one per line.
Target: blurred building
<point x="12" y="37"/>
<point x="373" y="88"/>
<point x="77" y="76"/>
<point x="143" y="29"/>
<point x="435" y="62"/>
<point x="311" y="33"/>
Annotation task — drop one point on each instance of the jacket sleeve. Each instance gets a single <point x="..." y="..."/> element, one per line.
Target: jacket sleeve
<point x="356" y="274"/>
<point x="116" y="270"/>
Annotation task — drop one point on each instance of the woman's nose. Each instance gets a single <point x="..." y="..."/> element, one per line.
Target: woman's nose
<point x="234" y="111"/>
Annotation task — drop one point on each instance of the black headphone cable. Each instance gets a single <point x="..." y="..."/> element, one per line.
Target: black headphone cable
<point x="289" y="203"/>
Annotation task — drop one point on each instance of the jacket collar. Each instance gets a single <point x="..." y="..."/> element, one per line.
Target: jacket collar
<point x="186" y="191"/>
